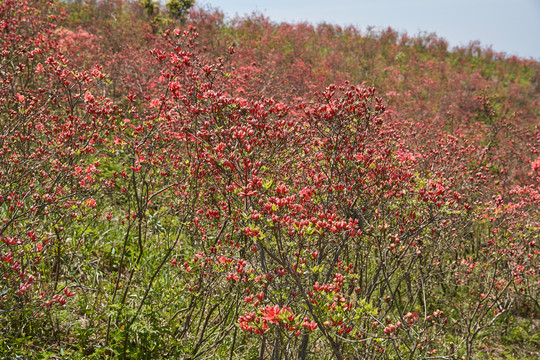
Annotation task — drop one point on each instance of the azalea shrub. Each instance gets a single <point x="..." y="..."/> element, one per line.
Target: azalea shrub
<point x="199" y="187"/>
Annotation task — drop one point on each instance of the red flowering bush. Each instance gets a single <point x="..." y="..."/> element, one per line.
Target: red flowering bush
<point x="188" y="192"/>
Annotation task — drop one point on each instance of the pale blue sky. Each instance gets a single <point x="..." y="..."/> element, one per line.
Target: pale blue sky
<point x="510" y="26"/>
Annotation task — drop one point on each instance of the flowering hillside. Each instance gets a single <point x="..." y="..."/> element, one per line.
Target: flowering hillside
<point x="194" y="188"/>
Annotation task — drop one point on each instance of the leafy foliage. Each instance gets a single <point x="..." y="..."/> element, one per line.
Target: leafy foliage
<point x="178" y="8"/>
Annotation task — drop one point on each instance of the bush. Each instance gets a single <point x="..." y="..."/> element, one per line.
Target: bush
<point x="156" y="204"/>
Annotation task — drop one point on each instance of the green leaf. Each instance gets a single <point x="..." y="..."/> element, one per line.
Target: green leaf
<point x="268" y="184"/>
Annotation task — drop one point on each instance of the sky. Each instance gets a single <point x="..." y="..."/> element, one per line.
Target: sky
<point x="509" y="26"/>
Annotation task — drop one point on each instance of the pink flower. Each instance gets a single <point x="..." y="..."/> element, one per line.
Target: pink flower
<point x="312" y="325"/>
<point x="271" y="314"/>
<point x="88" y="97"/>
<point x="154" y="103"/>
<point x="536" y="165"/>
<point x="91" y="203"/>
